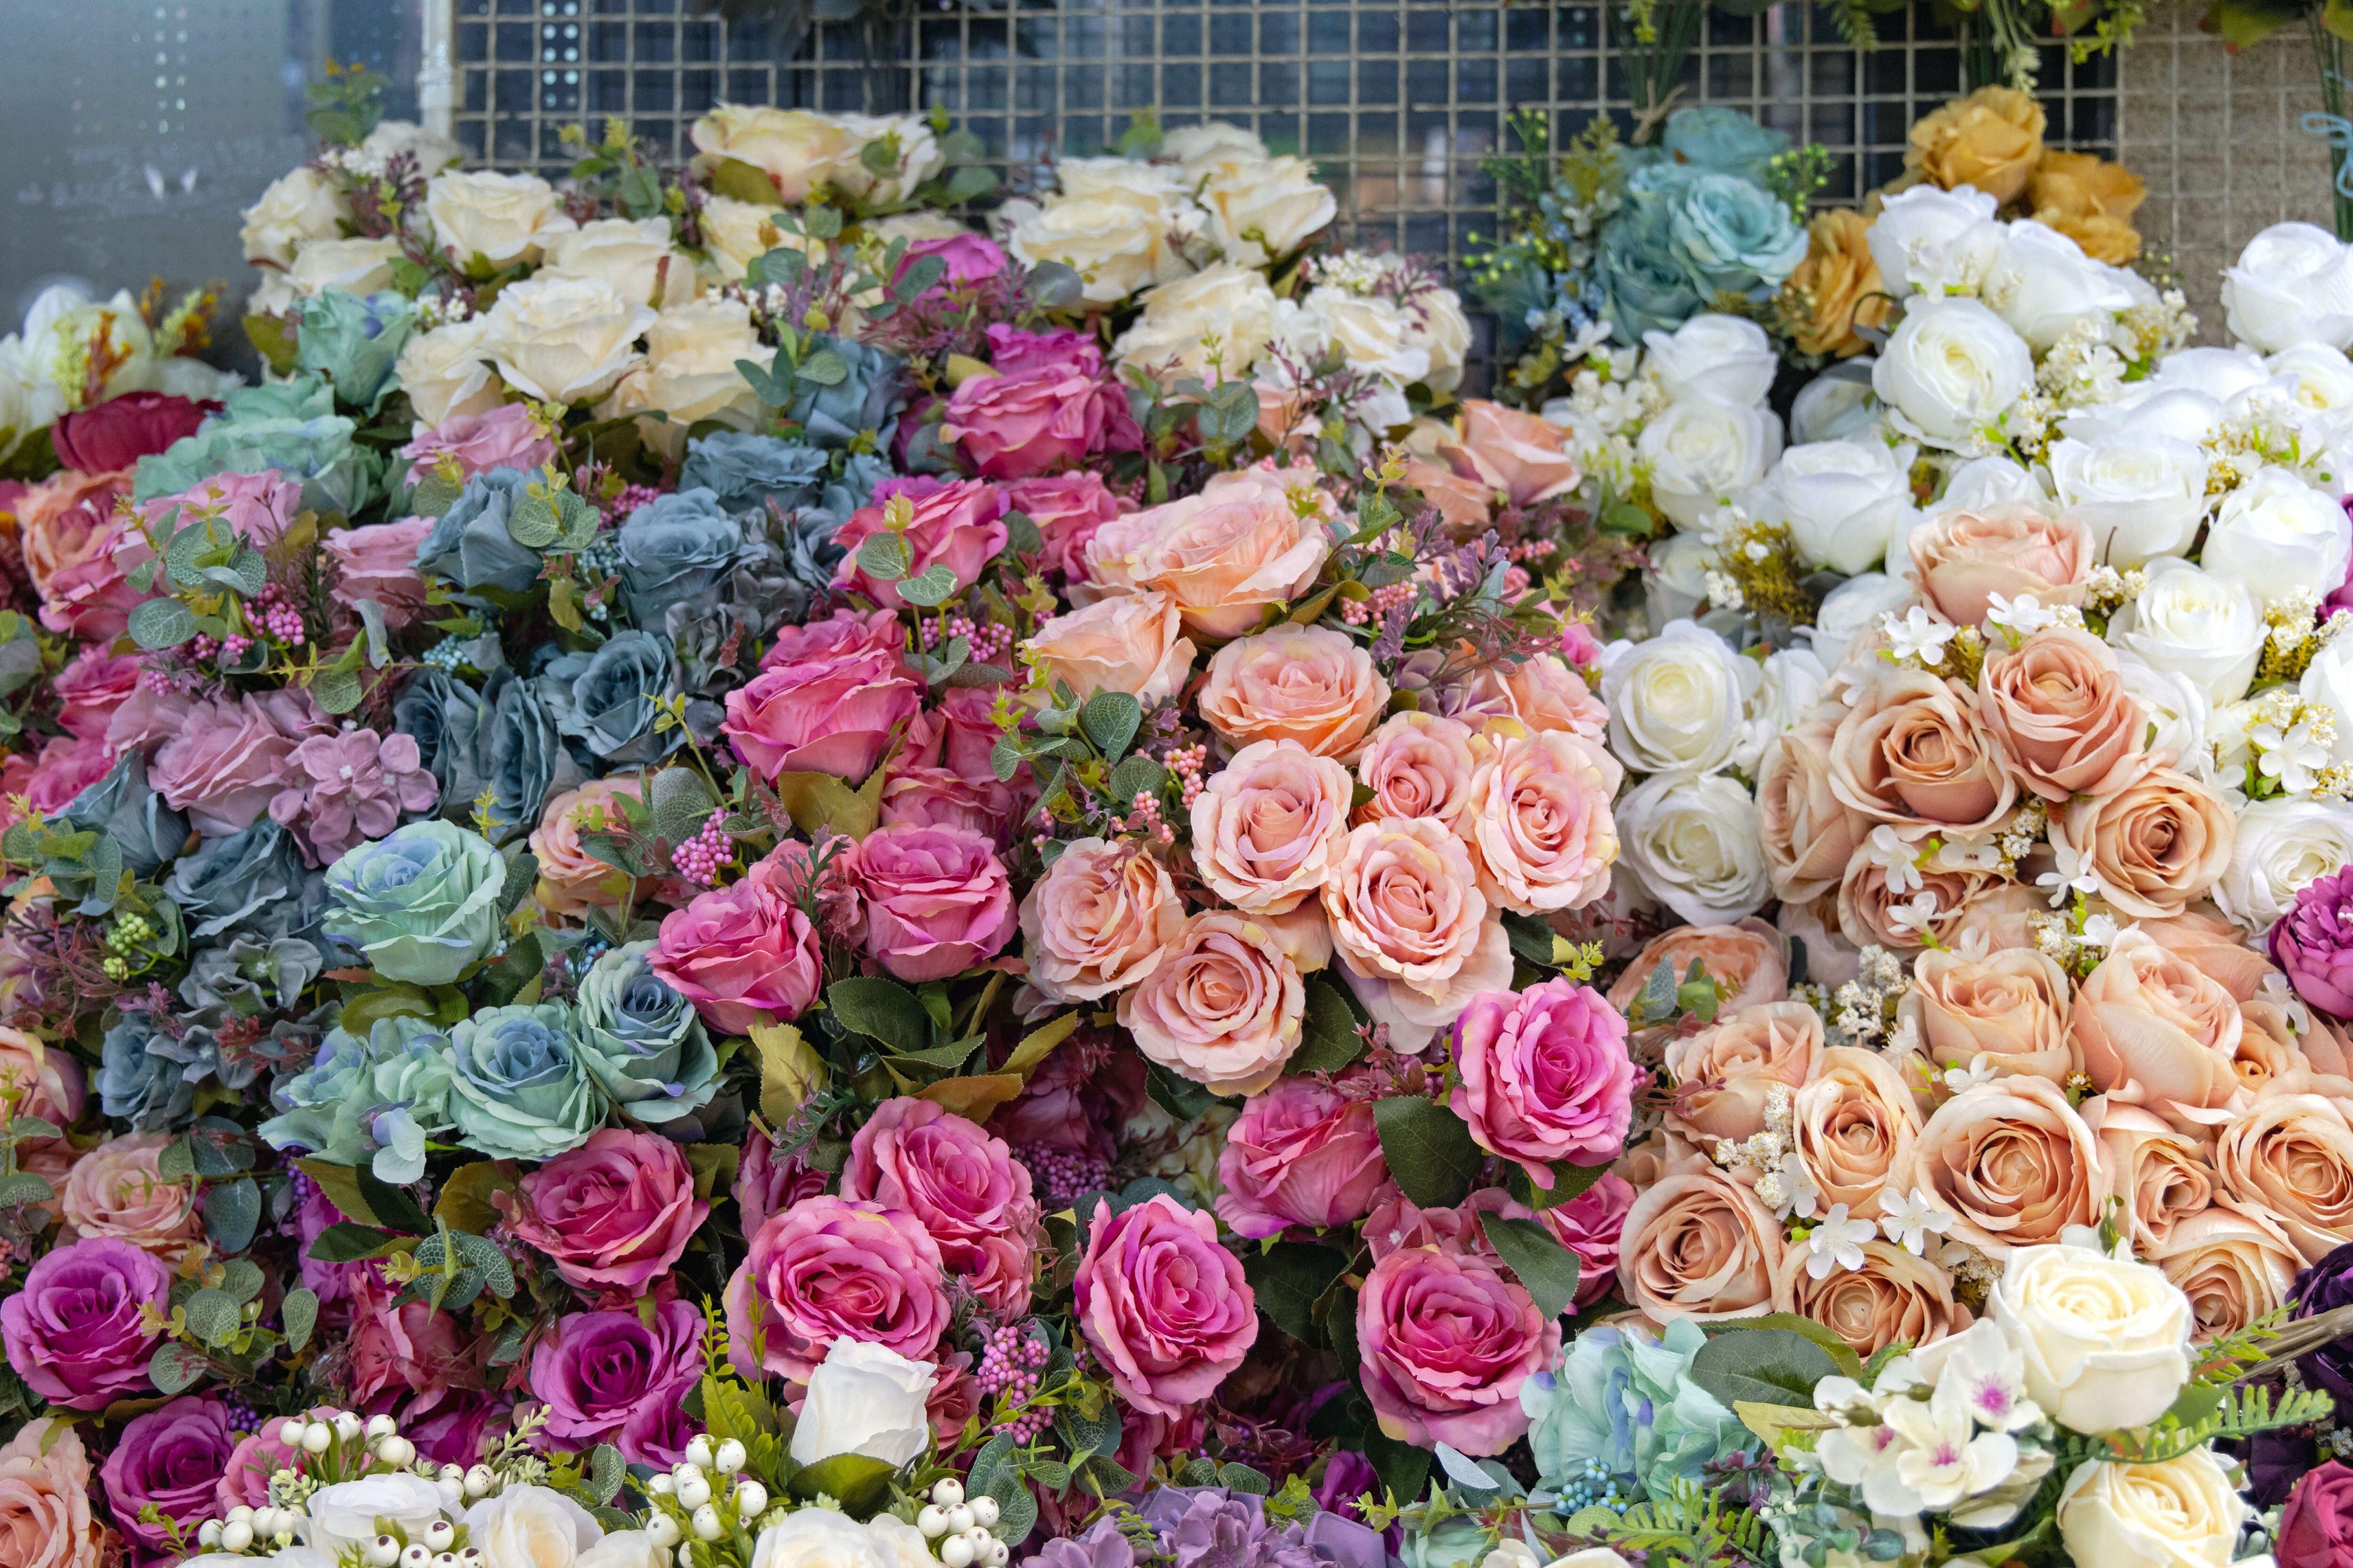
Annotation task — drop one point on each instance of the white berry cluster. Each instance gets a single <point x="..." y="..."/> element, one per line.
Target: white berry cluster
<point x="702" y="1492"/>
<point x="340" y="1446"/>
<point x="960" y="1529"/>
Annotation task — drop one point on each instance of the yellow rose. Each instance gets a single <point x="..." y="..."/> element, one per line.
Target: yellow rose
<point x="1991" y="139"/>
<point x="1836" y="289"/>
<point x="2089" y="200"/>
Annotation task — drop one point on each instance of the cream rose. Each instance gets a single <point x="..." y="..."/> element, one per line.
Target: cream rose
<point x="1853" y="1123"/>
<point x="2290" y="1158"/>
<point x="2057" y="705"/>
<point x="1117" y="240"/>
<point x="503" y="218"/>
<point x="1698" y="1244"/>
<point x="1963" y="556"/>
<point x="446" y="372"/>
<point x="1693" y="845"/>
<point x="1700" y="452"/>
<point x="1952" y="367"/>
<point x="1910" y="751"/>
<point x="1264" y="209"/>
<point x="1418" y="764"/>
<point x="342" y="1514"/>
<point x="1675" y="701"/>
<point x="536" y="1527"/>
<point x="915" y="157"/>
<point x="1314" y="685"/>
<point x="1132" y="643"/>
<point x="1916" y="230"/>
<point x="2042" y="284"/>
<point x="1271" y="827"/>
<point x="1223" y="1007"/>
<point x="565" y="340"/>
<point x="2184" y="1513"/>
<point x="1724" y="359"/>
<point x="1539" y="825"/>
<point x="2160" y="1173"/>
<point x="865" y="1399"/>
<point x="1101" y="918"/>
<point x="636" y="259"/>
<point x="298" y="206"/>
<point x="1728" y="1075"/>
<point x="2283" y="843"/>
<point x="2205" y="627"/>
<point x="352" y="266"/>
<point x="736" y="234"/>
<point x="2234" y="1266"/>
<point x="1892" y="1296"/>
<point x="1230" y="307"/>
<point x="690" y="371"/>
<point x="2013" y="1163"/>
<point x="2155" y="843"/>
<point x="796" y="150"/>
<point x="2008" y="1008"/>
<point x="2106" y="1340"/>
<point x="1249" y="540"/>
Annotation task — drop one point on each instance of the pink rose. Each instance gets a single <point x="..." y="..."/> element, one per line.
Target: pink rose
<point x="1539" y="822"/>
<point x="1403" y="903"/>
<point x="934" y="797"/>
<point x="961" y="527"/>
<point x="844" y="635"/>
<point x="117" y="1190"/>
<point x="1249" y="540"/>
<point x="968" y="258"/>
<point x="960" y="734"/>
<point x="1099" y="921"/>
<point x="228" y="759"/>
<point x="767" y="1182"/>
<point x="937" y="900"/>
<point x="1314" y="685"/>
<point x="66" y="767"/>
<point x="1522" y="455"/>
<point x="612" y="1213"/>
<point x="260" y="507"/>
<point x="1166" y="1307"/>
<point x="1068" y="510"/>
<point x="1418" y="764"/>
<point x="743" y="952"/>
<point x="829" y="1269"/>
<point x="1300" y="1153"/>
<point x="1012" y="426"/>
<point x="965" y="1187"/>
<point x="834" y="713"/>
<point x="1546" y="1077"/>
<point x="379" y="562"/>
<point x="1447" y="1340"/>
<point x="1223" y="1007"/>
<point x="91" y="687"/>
<point x="1462" y="503"/>
<point x="46" y="1518"/>
<point x="1541" y="692"/>
<point x="1012" y="351"/>
<point x="572" y="881"/>
<point x="408" y="1349"/>
<point x="508" y="437"/>
<point x="257" y="1456"/>
<point x="1589" y="1225"/>
<point x="1269" y="828"/>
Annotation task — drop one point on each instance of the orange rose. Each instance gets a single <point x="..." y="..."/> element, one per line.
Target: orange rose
<point x="1541" y="833"/>
<point x="1404" y="904"/>
<point x="2161" y="1174"/>
<point x="2152" y="1030"/>
<point x="1748" y="962"/>
<point x="2089" y="200"/>
<point x="1131" y="642"/>
<point x="2289" y="1157"/>
<point x="1991" y="139"/>
<point x="1962" y="559"/>
<point x="2233" y="1265"/>
<point x="1853" y="1123"/>
<point x="1699" y="1245"/>
<point x="1910" y="751"/>
<point x="45" y="1514"/>
<point x="1810" y="833"/>
<point x="1418" y="764"/>
<point x="1099" y="921"/>
<point x="1728" y="1074"/>
<point x="2058" y="705"/>
<point x="2214" y="946"/>
<point x="1893" y="1295"/>
<point x="67" y="519"/>
<point x="1270" y="827"/>
<point x="2154" y="844"/>
<point x="2010" y="1008"/>
<point x="1524" y="456"/>
<point x="1249" y="540"/>
<point x="1836" y="289"/>
<point x="2013" y="1163"/>
<point x="572" y="881"/>
<point x="1223" y="1006"/>
<point x="1309" y="684"/>
<point x="117" y="1190"/>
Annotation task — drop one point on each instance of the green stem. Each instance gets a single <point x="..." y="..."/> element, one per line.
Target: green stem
<point x="2328" y="53"/>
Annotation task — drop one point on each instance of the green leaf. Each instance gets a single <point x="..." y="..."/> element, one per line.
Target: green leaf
<point x="464" y="1201"/>
<point x="1427" y="1148"/>
<point x="825" y="368"/>
<point x="820" y="800"/>
<point x="1849" y="1364"/>
<point x="531" y="522"/>
<point x="1764" y="1367"/>
<point x="969" y="183"/>
<point x="745" y="182"/>
<point x="162" y="624"/>
<point x="232" y="1213"/>
<point x="881" y="1010"/>
<point x="606" y="1471"/>
<point x="390" y="1205"/>
<point x="1547" y="1270"/>
<point x="242" y="1278"/>
<point x="25" y="1187"/>
<point x="931" y="588"/>
<point x="435" y="494"/>
<point x="883" y="557"/>
<point x="1328" y="1040"/>
<point x="860" y="1482"/>
<point x="1288" y="1278"/>
<point x="681" y="802"/>
<point x="1110" y="720"/>
<point x="335" y="691"/>
<point x="299" y="1313"/>
<point x="214" y="1316"/>
<point x="175" y="1368"/>
<point x="1136" y="775"/>
<point x="1237" y="1477"/>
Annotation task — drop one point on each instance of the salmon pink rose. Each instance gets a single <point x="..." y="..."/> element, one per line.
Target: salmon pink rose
<point x="1164" y="1304"/>
<point x="1418" y="764"/>
<point x="1099" y="921"/>
<point x="1132" y="643"/>
<point x="2149" y="1028"/>
<point x="2007" y="1009"/>
<point x="46" y="1520"/>
<point x="1854" y="1124"/>
<point x="1249" y="540"/>
<point x="1300" y="1154"/>
<point x="611" y="1214"/>
<point x="1518" y="454"/>
<point x="1462" y="503"/>
<point x="831" y="714"/>
<point x="1069" y="509"/>
<point x="68" y="519"/>
<point x="379" y="562"/>
<point x="2162" y="1175"/>
<point x="598" y="1371"/>
<point x="833" y="1268"/>
<point x="1893" y="1295"/>
<point x="1728" y="1074"/>
<point x="1696" y="1244"/>
<point x="77" y="1331"/>
<point x="1309" y="684"/>
<point x="936" y="901"/>
<point x="1546" y="1077"/>
<point x="1539" y="822"/>
<point x="1540" y="691"/>
<point x="2289" y="1158"/>
<point x="1223" y="1007"/>
<point x="572" y="881"/>
<point x="46" y="1083"/>
<point x="1749" y="960"/>
<point x="960" y="527"/>
<point x="2155" y="842"/>
<point x="2215" y="947"/>
<point x="1808" y="833"/>
<point x="1962" y="559"/>
<point x="2234" y="1266"/>
<point x="963" y="1186"/>
<point x="1912" y="752"/>
<point x="1270" y="827"/>
<point x="1404" y="904"/>
<point x="118" y="1190"/>
<point x="742" y="953"/>
<point x="1447" y="1340"/>
<point x="2013" y="1163"/>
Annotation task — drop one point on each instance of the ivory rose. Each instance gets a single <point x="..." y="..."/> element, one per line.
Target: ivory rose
<point x="1269" y="828"/>
<point x="2107" y="1342"/>
<point x="2289" y="1157"/>
<point x="1675" y="701"/>
<point x="1911" y="753"/>
<point x="1727" y="1075"/>
<point x="2155" y="843"/>
<point x="2234" y="1268"/>
<point x="796" y="150"/>
<point x="2007" y="1009"/>
<point x="1418" y="764"/>
<point x="1698" y="1244"/>
<point x="2148" y="1027"/>
<point x="1808" y="834"/>
<point x="1131" y="643"/>
<point x="2185" y="1512"/>
<point x="1223" y="1007"/>
<point x="1546" y="1077"/>
<point x="503" y="218"/>
<point x="2162" y="1174"/>
<point x="1403" y="903"/>
<point x="1963" y="557"/>
<point x="565" y="340"/>
<point x="2058" y="705"/>
<point x="1098" y="920"/>
<point x="1894" y="1297"/>
<point x="2014" y="1163"/>
<point x="1750" y="963"/>
<point x="1539" y="823"/>
<point x="1854" y="1124"/>
<point x="1314" y="685"/>
<point x="1249" y="540"/>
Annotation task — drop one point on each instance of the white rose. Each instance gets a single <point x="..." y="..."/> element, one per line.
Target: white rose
<point x="1790" y="683"/>
<point x="1836" y="405"/>
<point x="1677" y="580"/>
<point x="1845" y="502"/>
<point x="354" y="266"/>
<point x="865" y="1399"/>
<point x="1117" y="240"/>
<point x="1078" y="177"/>
<point x="636" y="259"/>
<point x="911" y="226"/>
<point x="1724" y="359"/>
<point x="1852" y="610"/>
<point x="1436" y="322"/>
<point x="1952" y="366"/>
<point x="2277" y="534"/>
<point x="2041" y="283"/>
<point x="1198" y="148"/>
<point x="2208" y="627"/>
<point x="1700" y="453"/>
<point x="535" y="1527"/>
<point x="298" y="207"/>
<point x="796" y="150"/>
<point x="503" y="218"/>
<point x="1265" y="209"/>
<point x="2179" y="413"/>
<point x="1231" y="304"/>
<point x="1693" y="845"/>
<point x="2184" y="1513"/>
<point x="820" y="1538"/>
<point x="1675" y="701"/>
<point x="918" y="157"/>
<point x="1372" y="334"/>
<point x="2105" y="1340"/>
<point x="690" y="371"/>
<point x="2329" y="679"/>
<point x="1983" y="482"/>
<point x="2294" y="284"/>
<point x="1914" y="228"/>
<point x="2321" y="377"/>
<point x="429" y="151"/>
<point x="565" y="340"/>
<point x="344" y="1514"/>
<point x="2219" y="373"/>
<point x="2140" y="493"/>
<point x="2178" y="708"/>
<point x="2283" y="843"/>
<point x="444" y="373"/>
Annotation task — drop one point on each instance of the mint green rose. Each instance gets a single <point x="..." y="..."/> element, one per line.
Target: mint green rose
<point x="519" y="1089"/>
<point x="641" y="1039"/>
<point x="1458" y="1542"/>
<point x="421" y="904"/>
<point x="292" y="427"/>
<point x="354" y="341"/>
<point x="1724" y="141"/>
<point x="1627" y="1399"/>
<point x="1729" y="234"/>
<point x="373" y="1099"/>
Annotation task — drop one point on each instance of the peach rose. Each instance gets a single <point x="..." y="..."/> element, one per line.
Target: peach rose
<point x="1726" y="1075"/>
<point x="2057" y="704"/>
<point x="68" y="521"/>
<point x="1099" y="921"/>
<point x="2160" y="1173"/>
<point x="45" y="1082"/>
<point x="1997" y="916"/>
<point x="1249" y="540"/>
<point x="2289" y="1157"/>
<point x="2233" y="1265"/>
<point x="1748" y="962"/>
<point x="1541" y="835"/>
<point x="1414" y="1015"/>
<point x="1404" y="903"/>
<point x="1462" y="503"/>
<point x="1893" y="1295"/>
<point x="1912" y="752"/>
<point x="1992" y="139"/>
<point x="2151" y="1029"/>
<point x="45" y="1514"/>
<point x="2013" y="1163"/>
<point x="1870" y="912"/>
<point x="1418" y="764"/>
<point x="1223" y="1006"/>
<point x="1269" y="828"/>
<point x="1699" y="1245"/>
<point x="117" y="1190"/>
<point x="1109" y="558"/>
<point x="1524" y="456"/>
<point x="1309" y="684"/>
<point x="2270" y="1050"/>
<point x="1541" y="692"/>
<point x="2214" y="946"/>
<point x="1131" y="643"/>
<point x="1808" y="833"/>
<point x="2156" y="842"/>
<point x="1853" y="1123"/>
<point x="1962" y="559"/>
<point x="572" y="881"/>
<point x="2009" y="1008"/>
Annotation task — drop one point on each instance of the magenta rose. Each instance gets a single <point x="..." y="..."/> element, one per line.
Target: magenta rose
<point x="1068" y="510"/>
<point x="1014" y="351"/>
<point x="91" y="687"/>
<point x="74" y="1332"/>
<point x="2316" y="1528"/>
<point x="914" y="486"/>
<point x="768" y="1183"/>
<point x="508" y="437"/>
<point x="2313" y="943"/>
<point x="965" y="1187"/>
<point x="1166" y="1307"/>
<point x="379" y="562"/>
<point x="1015" y="427"/>
<point x="844" y="635"/>
<point x="741" y="951"/>
<point x="834" y="714"/>
<point x="330" y="1283"/>
<point x="454" y="1429"/>
<point x="960" y="526"/>
<point x="833" y="1267"/>
<point x="173" y="1458"/>
<point x="232" y="755"/>
<point x="257" y="1456"/>
<point x="969" y="258"/>
<point x="935" y="900"/>
<point x="598" y="1369"/>
<point x="1590" y="1225"/>
<point x="1300" y="1154"/>
<point x="118" y="432"/>
<point x="1546" y="1077"/>
<point x="1075" y="1104"/>
<point x="1447" y="1338"/>
<point x="611" y="1214"/>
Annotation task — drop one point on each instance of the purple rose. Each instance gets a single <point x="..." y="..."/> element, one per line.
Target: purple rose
<point x="2313" y="943"/>
<point x="454" y="1430"/>
<point x="658" y="1430"/>
<point x="599" y="1369"/>
<point x="74" y="1332"/>
<point x="2327" y="1285"/>
<point x="173" y="1458"/>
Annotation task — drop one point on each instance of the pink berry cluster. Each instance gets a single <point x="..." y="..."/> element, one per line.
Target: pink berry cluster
<point x="275" y="613"/>
<point x="1188" y="763"/>
<point x="228" y="649"/>
<point x="1059" y="1177"/>
<point x="988" y="640"/>
<point x="1377" y="605"/>
<point x="700" y="857"/>
<point x="1145" y="818"/>
<point x="630" y="497"/>
<point x="1009" y="1364"/>
<point x="1533" y="548"/>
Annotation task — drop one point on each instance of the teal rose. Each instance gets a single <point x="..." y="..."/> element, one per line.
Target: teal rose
<point x="420" y="904"/>
<point x="291" y="428"/>
<point x="375" y="1098"/>
<point x="520" y="1088"/>
<point x="1724" y="142"/>
<point x="642" y="1040"/>
<point x="1646" y="287"/>
<point x="354" y="341"/>
<point x="470" y="546"/>
<point x="1729" y="236"/>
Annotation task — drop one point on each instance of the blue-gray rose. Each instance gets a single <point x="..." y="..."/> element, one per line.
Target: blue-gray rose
<point x="251" y="974"/>
<point x="469" y="544"/>
<point x="252" y="880"/>
<point x="609" y="699"/>
<point x="124" y="807"/>
<point x="354" y="341"/>
<point x="450" y="722"/>
<point x="746" y="471"/>
<point x="675" y="549"/>
<point x="868" y="399"/>
<point x="518" y="1089"/>
<point x="528" y="757"/>
<point x="642" y="1041"/>
<point x="1724" y="142"/>
<point x="138" y="1084"/>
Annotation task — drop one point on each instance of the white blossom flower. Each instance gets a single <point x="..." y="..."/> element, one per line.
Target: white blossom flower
<point x="1801" y="1194"/>
<point x="1918" y="915"/>
<point x="1945" y="1458"/>
<point x="1985" y="1365"/>
<point x="1918" y="635"/>
<point x="2289" y="755"/>
<point x="1836" y="1243"/>
<point x="2022" y="616"/>
<point x="2099" y="931"/>
<point x="1898" y="859"/>
<point x="1908" y="1219"/>
<point x="2073" y="875"/>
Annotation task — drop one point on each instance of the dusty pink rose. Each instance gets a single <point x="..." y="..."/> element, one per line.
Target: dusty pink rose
<point x="258" y="508"/>
<point x="379" y="562"/>
<point x="1447" y="1340"/>
<point x="1546" y="1077"/>
<point x="1132" y="643"/>
<point x="1539" y="822"/>
<point x="959" y="734"/>
<point x="965" y="1187"/>
<point x="613" y="1213"/>
<point x="1541" y="692"/>
<point x="1962" y="559"/>
<point x="967" y="257"/>
<point x="1019" y="425"/>
<point x="935" y="797"/>
<point x="1014" y="351"/>
<point x="1418" y="764"/>
<point x="2058" y="705"/>
<point x="1300" y="1153"/>
<point x="830" y="715"/>
<point x="1166" y="1307"/>
<point x="1309" y="684"/>
<point x="767" y="1182"/>
<point x="2156" y="841"/>
<point x="508" y="437"/>
<point x="1223" y="1007"/>
<point x="1249" y="540"/>
<point x="232" y="756"/>
<point x="66" y="767"/>
<point x="961" y="527"/>
<point x="831" y="1268"/>
<point x="936" y="901"/>
<point x="118" y="1190"/>
<point x="1404" y="903"/>
<point x="47" y="1082"/>
<point x="843" y="635"/>
<point x="1590" y="1225"/>
<point x="1524" y="456"/>
<point x="742" y="953"/>
<point x="91" y="687"/>
<point x="395" y="1351"/>
<point x="1068" y="508"/>
<point x="1099" y="921"/>
<point x="1271" y="827"/>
